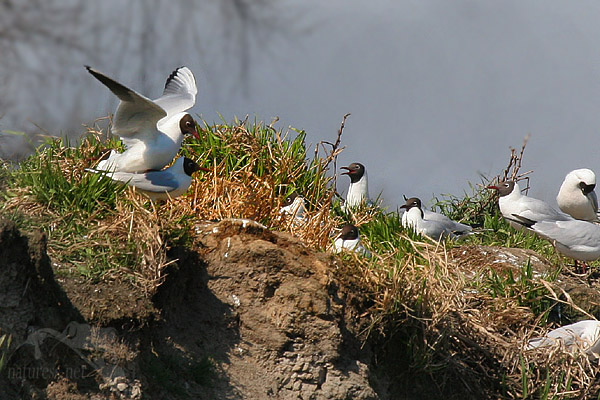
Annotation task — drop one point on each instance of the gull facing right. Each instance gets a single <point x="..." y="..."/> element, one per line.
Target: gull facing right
<point x="159" y="185"/>
<point x="151" y="130"/>
<point x="577" y="197"/>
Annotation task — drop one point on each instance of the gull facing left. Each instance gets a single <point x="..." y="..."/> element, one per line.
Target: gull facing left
<point x="434" y="225"/>
<point x="358" y="192"/>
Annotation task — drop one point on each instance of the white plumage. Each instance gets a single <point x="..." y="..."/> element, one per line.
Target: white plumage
<point x="152" y="131"/>
<point x="581" y="335"/>
<point x="159" y="185"/>
<point x="577" y="197"/>
<point x="349" y="239"/>
<point x="358" y="192"/>
<point x="433" y="225"/>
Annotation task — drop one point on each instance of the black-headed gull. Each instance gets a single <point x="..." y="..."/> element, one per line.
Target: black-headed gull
<point x="583" y="335"/>
<point x="512" y="203"/>
<point x="349" y="239"/>
<point x="358" y="192"/>
<point x="577" y="197"/>
<point x="431" y="224"/>
<point x="574" y="238"/>
<point x="159" y="185"/>
<point x="294" y="205"/>
<point x="151" y="130"/>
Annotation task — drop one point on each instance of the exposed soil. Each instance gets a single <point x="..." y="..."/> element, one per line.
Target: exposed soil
<point x="246" y="314"/>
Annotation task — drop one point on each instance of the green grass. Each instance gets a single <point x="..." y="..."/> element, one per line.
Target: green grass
<point x="61" y="189"/>
<point x="95" y="227"/>
<point x="269" y="154"/>
<point x="523" y="287"/>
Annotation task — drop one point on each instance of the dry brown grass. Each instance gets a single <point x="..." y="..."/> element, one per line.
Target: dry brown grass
<point x="135" y="229"/>
<point x="422" y="293"/>
<point x="464" y="339"/>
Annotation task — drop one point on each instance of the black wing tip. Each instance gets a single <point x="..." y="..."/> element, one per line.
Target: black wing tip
<point x="523" y="221"/>
<point x="173" y="75"/>
<point x="94" y="72"/>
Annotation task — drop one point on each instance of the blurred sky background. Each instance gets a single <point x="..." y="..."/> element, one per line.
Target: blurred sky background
<point x="438" y="90"/>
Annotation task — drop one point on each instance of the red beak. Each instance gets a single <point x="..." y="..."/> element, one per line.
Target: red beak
<point x="492" y="187"/>
<point x="196" y="134"/>
<point x="346" y="173"/>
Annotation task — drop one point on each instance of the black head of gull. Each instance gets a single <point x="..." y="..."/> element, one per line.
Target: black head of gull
<point x="355" y="171"/>
<point x="188" y="126"/>
<point x="504" y="188"/>
<point x="349" y="232"/>
<point x="413" y="202"/>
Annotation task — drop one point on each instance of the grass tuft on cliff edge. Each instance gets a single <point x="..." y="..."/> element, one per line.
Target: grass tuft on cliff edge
<point x="455" y="323"/>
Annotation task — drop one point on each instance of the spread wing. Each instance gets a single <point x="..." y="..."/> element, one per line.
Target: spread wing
<point x="136" y="115"/>
<point x="180" y="92"/>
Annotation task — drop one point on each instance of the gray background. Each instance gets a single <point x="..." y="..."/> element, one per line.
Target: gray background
<point x="438" y="90"/>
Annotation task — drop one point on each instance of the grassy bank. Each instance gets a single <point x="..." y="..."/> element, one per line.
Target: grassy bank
<point x="456" y="323"/>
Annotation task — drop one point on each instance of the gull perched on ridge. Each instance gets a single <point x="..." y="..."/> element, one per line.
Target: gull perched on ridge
<point x="151" y="130"/>
<point x="358" y="192"/>
<point x="349" y="239"/>
<point x="294" y="205"/>
<point x="574" y="238"/>
<point x="577" y="197"/>
<point x="513" y="204"/>
<point x="159" y="185"/>
<point x="431" y="224"/>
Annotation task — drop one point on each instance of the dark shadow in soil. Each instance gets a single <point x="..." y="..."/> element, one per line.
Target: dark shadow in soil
<point x="31" y="301"/>
<point x="195" y="328"/>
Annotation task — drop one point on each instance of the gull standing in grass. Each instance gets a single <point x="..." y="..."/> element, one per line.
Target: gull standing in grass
<point x="151" y="130"/>
<point x="512" y="204"/>
<point x="574" y="238"/>
<point x="294" y="205"/>
<point x="349" y="239"/>
<point x="159" y="185"/>
<point x="358" y="192"/>
<point x="431" y="224"/>
<point x="582" y="335"/>
<point x="577" y="197"/>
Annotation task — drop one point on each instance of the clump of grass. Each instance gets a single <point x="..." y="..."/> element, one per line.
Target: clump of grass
<point x="459" y="322"/>
<point x="100" y="228"/>
<point x="95" y="226"/>
<point x="51" y="176"/>
<point x="452" y="321"/>
<point x="255" y="167"/>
